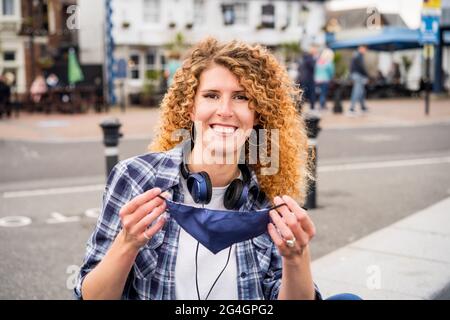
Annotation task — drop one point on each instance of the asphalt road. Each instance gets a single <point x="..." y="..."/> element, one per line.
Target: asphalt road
<point x="38" y="260"/>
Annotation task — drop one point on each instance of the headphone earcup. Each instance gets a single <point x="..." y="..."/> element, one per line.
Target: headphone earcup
<point x="197" y="187"/>
<point x="208" y="186"/>
<point x="235" y="195"/>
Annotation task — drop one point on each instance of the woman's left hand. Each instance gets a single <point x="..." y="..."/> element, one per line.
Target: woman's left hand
<point x="295" y="228"/>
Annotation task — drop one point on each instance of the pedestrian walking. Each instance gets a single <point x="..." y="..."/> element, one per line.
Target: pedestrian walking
<point x="323" y="74"/>
<point x="359" y="77"/>
<point x="306" y="75"/>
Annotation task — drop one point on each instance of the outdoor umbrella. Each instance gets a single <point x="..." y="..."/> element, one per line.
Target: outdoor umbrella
<point x="74" y="73"/>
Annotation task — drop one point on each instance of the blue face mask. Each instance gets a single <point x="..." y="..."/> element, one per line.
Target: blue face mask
<point x="219" y="229"/>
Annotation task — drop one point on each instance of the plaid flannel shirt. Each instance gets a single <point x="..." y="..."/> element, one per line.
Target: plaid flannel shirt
<point x="153" y="273"/>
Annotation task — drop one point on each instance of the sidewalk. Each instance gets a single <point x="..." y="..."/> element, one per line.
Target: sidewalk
<point x="409" y="259"/>
<point x="139" y="122"/>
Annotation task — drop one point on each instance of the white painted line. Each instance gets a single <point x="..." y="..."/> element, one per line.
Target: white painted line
<point x="383" y="164"/>
<point x="61" y="140"/>
<point x="59" y="218"/>
<point x="395" y="124"/>
<point x="53" y="191"/>
<point x="14" y="221"/>
<point x="328" y="168"/>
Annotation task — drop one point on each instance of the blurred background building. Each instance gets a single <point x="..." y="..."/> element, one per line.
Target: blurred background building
<point x="391" y="29"/>
<point x="146" y="31"/>
<point x="139" y="36"/>
<point x="35" y="38"/>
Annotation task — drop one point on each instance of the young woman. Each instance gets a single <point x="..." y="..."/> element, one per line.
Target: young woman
<point x="208" y="245"/>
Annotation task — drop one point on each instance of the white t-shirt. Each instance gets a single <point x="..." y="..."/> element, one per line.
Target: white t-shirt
<point x="209" y="265"/>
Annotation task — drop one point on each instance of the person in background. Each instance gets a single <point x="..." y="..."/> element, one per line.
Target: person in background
<point x="5" y="96"/>
<point x="52" y="81"/>
<point x="323" y="74"/>
<point x="172" y="66"/>
<point x="359" y="76"/>
<point x="305" y="77"/>
<point x="38" y="89"/>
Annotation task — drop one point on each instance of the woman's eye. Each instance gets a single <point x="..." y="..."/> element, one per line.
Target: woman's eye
<point x="211" y="96"/>
<point x="241" y="97"/>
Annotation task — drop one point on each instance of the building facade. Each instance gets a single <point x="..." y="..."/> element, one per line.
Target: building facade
<point x="143" y="28"/>
<point x="35" y="36"/>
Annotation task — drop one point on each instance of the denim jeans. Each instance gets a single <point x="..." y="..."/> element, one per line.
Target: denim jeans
<point x="323" y="86"/>
<point x="358" y="91"/>
<point x="344" y="296"/>
<point x="309" y="92"/>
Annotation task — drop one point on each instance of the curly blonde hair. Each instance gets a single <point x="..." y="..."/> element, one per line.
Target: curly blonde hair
<point x="271" y="93"/>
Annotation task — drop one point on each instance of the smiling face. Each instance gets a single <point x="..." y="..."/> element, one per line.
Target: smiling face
<point x="221" y="112"/>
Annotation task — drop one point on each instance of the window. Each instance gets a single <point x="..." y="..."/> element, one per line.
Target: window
<point x="8" y="7"/>
<point x="199" y="12"/>
<point x="241" y="13"/>
<point x="236" y="13"/>
<point x="268" y="16"/>
<point x="151" y="11"/>
<point x="151" y="69"/>
<point x="228" y="14"/>
<point x="150" y="59"/>
<point x="133" y="64"/>
<point x="9" y="56"/>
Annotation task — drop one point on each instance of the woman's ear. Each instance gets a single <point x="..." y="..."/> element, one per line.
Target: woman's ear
<point x="191" y="114"/>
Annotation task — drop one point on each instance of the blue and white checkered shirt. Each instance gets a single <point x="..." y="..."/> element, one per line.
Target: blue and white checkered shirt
<point x="152" y="275"/>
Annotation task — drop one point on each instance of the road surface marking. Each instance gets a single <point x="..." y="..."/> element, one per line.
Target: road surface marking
<point x="383" y="164"/>
<point x="325" y="168"/>
<point x="53" y="191"/>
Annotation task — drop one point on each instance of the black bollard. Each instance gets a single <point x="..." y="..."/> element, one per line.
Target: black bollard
<point x="313" y="129"/>
<point x="111" y="136"/>
<point x="338" y="98"/>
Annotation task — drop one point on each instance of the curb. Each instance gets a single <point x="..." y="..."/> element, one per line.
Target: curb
<point x="407" y="260"/>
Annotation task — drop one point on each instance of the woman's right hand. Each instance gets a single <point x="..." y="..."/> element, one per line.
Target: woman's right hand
<point x="137" y="215"/>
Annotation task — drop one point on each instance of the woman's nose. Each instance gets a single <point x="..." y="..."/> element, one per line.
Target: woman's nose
<point x="225" y="108"/>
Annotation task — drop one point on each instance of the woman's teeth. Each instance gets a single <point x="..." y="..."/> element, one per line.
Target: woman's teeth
<point x="223" y="129"/>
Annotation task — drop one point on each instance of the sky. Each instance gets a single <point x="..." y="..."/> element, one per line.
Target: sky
<point x="408" y="9"/>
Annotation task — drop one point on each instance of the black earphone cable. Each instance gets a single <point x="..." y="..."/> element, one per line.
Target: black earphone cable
<point x="196" y="272"/>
